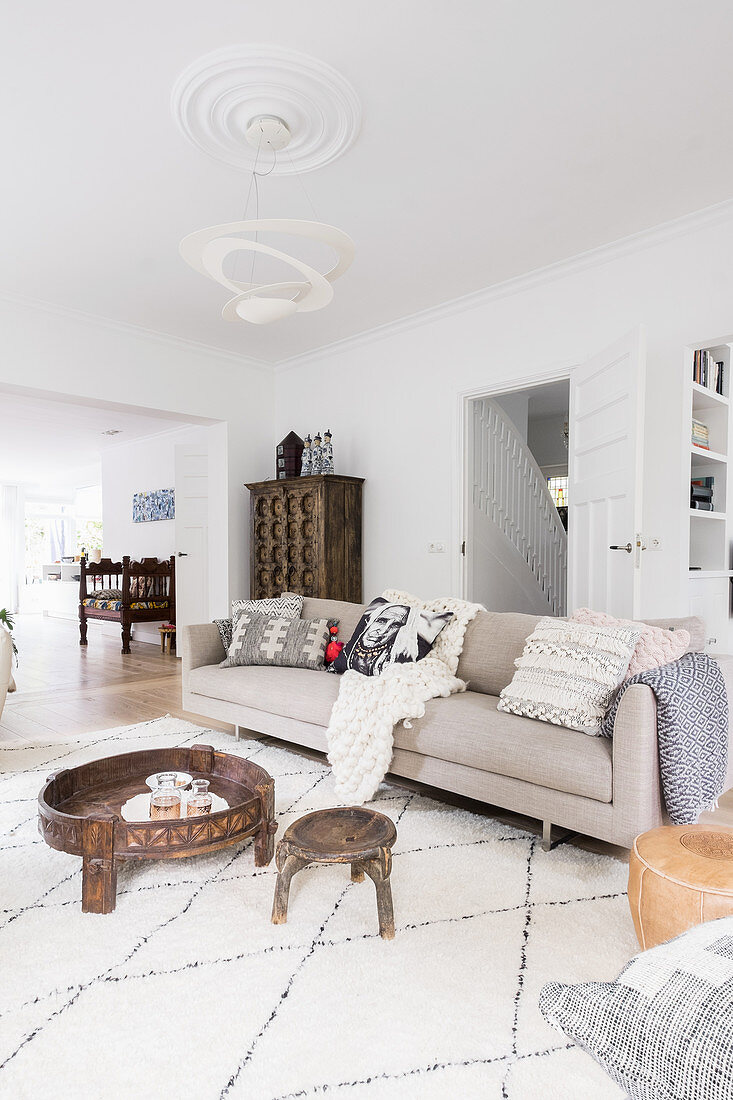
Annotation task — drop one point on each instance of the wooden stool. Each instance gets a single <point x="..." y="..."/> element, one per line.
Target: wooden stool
<point x="167" y="638"/>
<point x="354" y="835"/>
<point x="679" y="876"/>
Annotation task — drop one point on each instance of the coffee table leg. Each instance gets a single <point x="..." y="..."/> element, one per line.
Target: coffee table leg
<point x="378" y="870"/>
<point x="265" y="837"/>
<point x="99" y="870"/>
<point x="287" y="867"/>
<point x="357" y="871"/>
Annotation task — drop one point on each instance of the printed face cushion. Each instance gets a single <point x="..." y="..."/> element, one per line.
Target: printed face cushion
<point x="287" y="607"/>
<point x="273" y="640"/>
<point x="568" y="673"/>
<point x="656" y="646"/>
<point x="663" y="1029"/>
<point x="388" y="633"/>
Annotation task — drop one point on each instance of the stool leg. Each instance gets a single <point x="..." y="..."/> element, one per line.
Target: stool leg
<point x="357" y="871"/>
<point x="290" y="866"/>
<point x="162" y="642"/>
<point x="378" y="870"/>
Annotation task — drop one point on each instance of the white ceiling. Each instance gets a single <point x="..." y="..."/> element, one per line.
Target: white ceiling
<point x="55" y="445"/>
<point x="497" y="137"/>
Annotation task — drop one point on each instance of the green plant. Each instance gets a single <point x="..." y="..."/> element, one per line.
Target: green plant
<point x="8" y="621"/>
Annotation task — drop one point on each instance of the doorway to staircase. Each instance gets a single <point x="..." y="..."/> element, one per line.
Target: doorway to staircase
<point x="517" y="500"/>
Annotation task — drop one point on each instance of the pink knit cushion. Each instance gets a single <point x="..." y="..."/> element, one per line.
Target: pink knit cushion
<point x="656" y="646"/>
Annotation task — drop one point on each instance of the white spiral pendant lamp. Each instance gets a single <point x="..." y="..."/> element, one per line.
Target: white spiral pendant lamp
<point x="208" y="250"/>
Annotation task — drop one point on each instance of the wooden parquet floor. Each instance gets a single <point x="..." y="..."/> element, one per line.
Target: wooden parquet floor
<point x="65" y="690"/>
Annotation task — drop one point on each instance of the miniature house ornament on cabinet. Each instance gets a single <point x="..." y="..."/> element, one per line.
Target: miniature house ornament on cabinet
<point x="288" y="456"/>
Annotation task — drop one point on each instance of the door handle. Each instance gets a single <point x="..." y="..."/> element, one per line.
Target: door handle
<point x="181" y="554"/>
<point x="628" y="548"/>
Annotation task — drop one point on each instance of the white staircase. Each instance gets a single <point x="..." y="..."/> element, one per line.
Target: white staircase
<point x="516" y="526"/>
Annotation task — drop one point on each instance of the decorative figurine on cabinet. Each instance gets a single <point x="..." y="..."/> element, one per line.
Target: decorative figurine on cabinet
<point x="306" y="462"/>
<point x="327" y="461"/>
<point x="288" y="456"/>
<point x="317" y="455"/>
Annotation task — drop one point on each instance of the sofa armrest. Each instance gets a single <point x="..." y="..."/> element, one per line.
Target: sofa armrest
<point x="201" y="645"/>
<point x="637" y="796"/>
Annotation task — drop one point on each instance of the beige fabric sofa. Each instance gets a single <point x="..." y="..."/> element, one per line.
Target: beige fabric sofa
<point x="606" y="789"/>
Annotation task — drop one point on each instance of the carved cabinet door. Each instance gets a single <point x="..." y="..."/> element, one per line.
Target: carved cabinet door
<point x="269" y="554"/>
<point x="303" y="523"/>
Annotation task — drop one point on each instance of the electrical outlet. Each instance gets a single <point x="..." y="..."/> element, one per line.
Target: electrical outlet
<point x="436" y="547"/>
<point x="654" y="543"/>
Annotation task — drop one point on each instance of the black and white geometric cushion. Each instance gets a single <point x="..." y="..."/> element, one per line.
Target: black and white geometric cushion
<point x="664" y="1029"/>
<point x="289" y="606"/>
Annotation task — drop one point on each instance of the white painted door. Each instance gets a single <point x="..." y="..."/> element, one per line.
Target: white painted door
<point x="605" y="479"/>
<point x="192" y="534"/>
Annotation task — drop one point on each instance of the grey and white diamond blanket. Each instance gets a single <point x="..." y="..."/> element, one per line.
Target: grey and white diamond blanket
<point x="692" y="728"/>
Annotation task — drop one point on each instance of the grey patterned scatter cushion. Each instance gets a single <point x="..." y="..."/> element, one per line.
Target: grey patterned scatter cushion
<point x="663" y="1029"/>
<point x="271" y="640"/>
<point x="289" y="606"/>
<point x="568" y="673"/>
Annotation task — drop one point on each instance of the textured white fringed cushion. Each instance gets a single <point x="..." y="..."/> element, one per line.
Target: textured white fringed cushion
<point x="663" y="1030"/>
<point x="656" y="646"/>
<point x="568" y="673"/>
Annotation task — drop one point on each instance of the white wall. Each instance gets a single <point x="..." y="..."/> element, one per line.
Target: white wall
<point x="545" y="441"/>
<point x="129" y="468"/>
<point x="392" y="399"/>
<point x="46" y="349"/>
<point x="516" y="406"/>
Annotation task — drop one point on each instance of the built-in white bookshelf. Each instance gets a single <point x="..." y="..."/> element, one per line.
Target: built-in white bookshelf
<point x="708" y="565"/>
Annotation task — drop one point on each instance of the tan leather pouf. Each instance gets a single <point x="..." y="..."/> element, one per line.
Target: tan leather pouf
<point x="679" y="876"/>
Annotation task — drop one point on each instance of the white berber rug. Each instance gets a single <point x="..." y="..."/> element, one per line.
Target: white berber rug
<point x="187" y="989"/>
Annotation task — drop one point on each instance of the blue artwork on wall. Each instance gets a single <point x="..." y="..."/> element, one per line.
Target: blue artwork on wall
<point x="152" y="505"/>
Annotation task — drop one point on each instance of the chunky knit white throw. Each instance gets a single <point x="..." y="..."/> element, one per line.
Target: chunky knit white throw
<point x="360" y="733"/>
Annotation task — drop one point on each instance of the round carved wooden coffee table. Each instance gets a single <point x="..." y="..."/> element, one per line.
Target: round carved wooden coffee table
<point x="679" y="876"/>
<point x="79" y="812"/>
<point x="361" y="837"/>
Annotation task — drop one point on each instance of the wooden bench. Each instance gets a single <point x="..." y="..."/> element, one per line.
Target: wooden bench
<point x="126" y="592"/>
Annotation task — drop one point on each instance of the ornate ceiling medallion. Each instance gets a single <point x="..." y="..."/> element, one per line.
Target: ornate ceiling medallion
<point x="215" y="99"/>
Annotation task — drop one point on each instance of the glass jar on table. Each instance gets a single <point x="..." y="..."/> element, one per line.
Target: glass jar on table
<point x="165" y="801"/>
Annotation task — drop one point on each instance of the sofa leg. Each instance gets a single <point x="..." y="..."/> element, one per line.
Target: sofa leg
<point x="548" y="844"/>
<point x="238" y="733"/>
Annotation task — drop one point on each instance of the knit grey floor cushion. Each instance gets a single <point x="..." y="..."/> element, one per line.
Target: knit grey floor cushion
<point x="664" y="1029"/>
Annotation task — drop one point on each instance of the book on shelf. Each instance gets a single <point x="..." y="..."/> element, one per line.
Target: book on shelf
<point x="702" y="505"/>
<point x="708" y="372"/>
<point x="703" y="482"/>
<point x="700" y="433"/>
<point x="701" y="494"/>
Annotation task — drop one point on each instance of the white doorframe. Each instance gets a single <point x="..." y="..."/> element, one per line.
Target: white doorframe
<point x="461" y="508"/>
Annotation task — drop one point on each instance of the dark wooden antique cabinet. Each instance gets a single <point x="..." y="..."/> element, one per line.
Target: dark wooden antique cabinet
<point x="306" y="537"/>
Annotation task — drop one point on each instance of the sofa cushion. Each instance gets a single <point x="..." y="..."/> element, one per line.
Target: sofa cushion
<point x="569" y="672"/>
<point x="495" y="639"/>
<point x="468" y="729"/>
<point x="348" y="614"/>
<point x="389" y="633"/>
<point x="272" y="640"/>
<point x="694" y="626"/>
<point x="493" y="642"/>
<point x="298" y="693"/>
